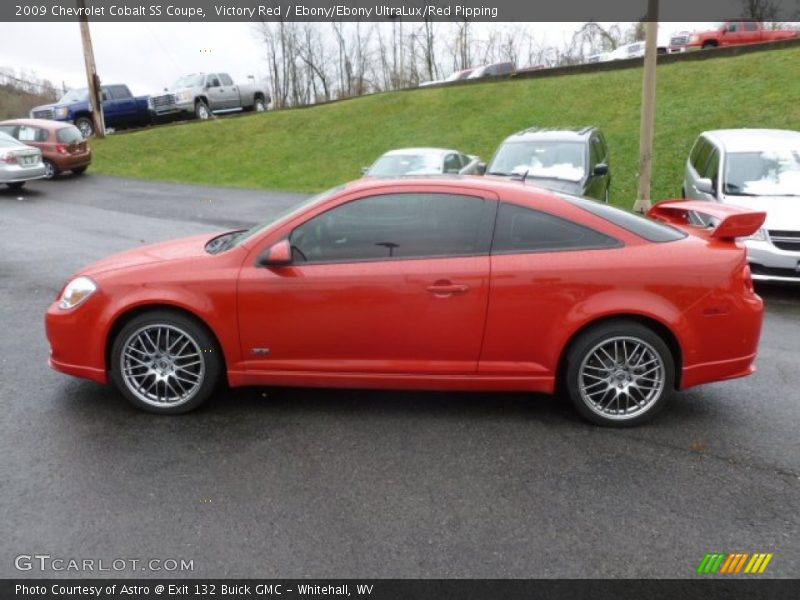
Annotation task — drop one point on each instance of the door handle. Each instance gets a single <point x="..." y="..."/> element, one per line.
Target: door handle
<point x="447" y="288"/>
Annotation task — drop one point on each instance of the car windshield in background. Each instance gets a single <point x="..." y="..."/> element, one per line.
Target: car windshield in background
<point x="768" y="173"/>
<point x="240" y="237"/>
<point x="187" y="81"/>
<point x="546" y="160"/>
<point x="69" y="135"/>
<point x="394" y="165"/>
<point x="6" y="141"/>
<point x="73" y="96"/>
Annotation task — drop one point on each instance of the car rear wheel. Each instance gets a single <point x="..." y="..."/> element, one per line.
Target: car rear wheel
<point x="85" y="126"/>
<point x="201" y="110"/>
<point x="50" y="169"/>
<point x="16" y="185"/>
<point x="79" y="170"/>
<point x="619" y="374"/>
<point x="165" y="362"/>
<point x="260" y="105"/>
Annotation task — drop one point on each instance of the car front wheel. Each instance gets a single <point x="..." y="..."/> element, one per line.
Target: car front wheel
<point x="50" y="170"/>
<point x="165" y="362"/>
<point x="201" y="110"/>
<point x="84" y="124"/>
<point x="619" y="374"/>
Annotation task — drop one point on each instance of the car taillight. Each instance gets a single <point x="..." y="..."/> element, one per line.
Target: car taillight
<point x="62" y="148"/>
<point x="747" y="277"/>
<point x="9" y="159"/>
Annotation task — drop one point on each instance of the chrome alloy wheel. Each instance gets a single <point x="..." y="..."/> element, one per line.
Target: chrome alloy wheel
<point x="621" y="378"/>
<point x="162" y="365"/>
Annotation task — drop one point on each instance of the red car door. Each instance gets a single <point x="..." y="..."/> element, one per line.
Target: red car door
<point x="391" y="283"/>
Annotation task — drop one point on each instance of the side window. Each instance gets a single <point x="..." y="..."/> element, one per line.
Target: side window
<point x="595" y="152"/>
<point x="732" y="27"/>
<point x="452" y="164"/>
<point x="226" y="80"/>
<point x="396" y="226"/>
<point x="711" y="168"/>
<point x="750" y="26"/>
<point x="31" y="134"/>
<point x="9" y="130"/>
<point x="521" y="229"/>
<point x="701" y="158"/>
<point x="212" y="81"/>
<point x="118" y="92"/>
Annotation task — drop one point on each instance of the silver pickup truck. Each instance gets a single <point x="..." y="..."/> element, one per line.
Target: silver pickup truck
<point x="201" y="94"/>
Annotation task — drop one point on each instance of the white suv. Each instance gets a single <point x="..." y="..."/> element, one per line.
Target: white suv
<point x="757" y="169"/>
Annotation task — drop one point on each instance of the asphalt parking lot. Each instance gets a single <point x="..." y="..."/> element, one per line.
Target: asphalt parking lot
<point x="339" y="483"/>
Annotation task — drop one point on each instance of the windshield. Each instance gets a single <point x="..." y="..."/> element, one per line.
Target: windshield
<point x="767" y="173"/>
<point x="73" y="96"/>
<point x="193" y="80"/>
<point x="547" y="160"/>
<point x="240" y="237"/>
<point x="395" y="165"/>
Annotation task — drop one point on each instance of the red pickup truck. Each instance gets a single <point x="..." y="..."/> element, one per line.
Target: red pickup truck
<point x="730" y="33"/>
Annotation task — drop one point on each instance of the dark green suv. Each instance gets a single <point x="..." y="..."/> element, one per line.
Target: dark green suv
<point x="574" y="161"/>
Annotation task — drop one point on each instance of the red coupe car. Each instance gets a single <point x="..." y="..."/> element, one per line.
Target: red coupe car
<point x="438" y="284"/>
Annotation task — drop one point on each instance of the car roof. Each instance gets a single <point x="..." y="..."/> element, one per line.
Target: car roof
<point x="742" y="140"/>
<point x="562" y="134"/>
<point x="416" y="151"/>
<point x="494" y="184"/>
<point x="43" y="123"/>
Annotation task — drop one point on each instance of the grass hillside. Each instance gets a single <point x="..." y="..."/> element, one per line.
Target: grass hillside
<point x="311" y="149"/>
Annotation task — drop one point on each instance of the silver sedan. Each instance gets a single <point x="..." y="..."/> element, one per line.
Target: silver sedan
<point x="19" y="163"/>
<point x="412" y="162"/>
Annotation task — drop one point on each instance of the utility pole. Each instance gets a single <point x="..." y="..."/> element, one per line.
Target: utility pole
<point x="647" y="125"/>
<point x="91" y="73"/>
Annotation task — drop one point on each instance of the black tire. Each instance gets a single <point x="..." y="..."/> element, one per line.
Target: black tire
<point x="620" y="380"/>
<point x="209" y="367"/>
<point x="51" y="170"/>
<point x="79" y="170"/>
<point x="16" y="185"/>
<point x="259" y="105"/>
<point x="86" y="126"/>
<point x="201" y="111"/>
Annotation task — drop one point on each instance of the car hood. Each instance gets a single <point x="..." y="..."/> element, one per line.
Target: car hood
<point x="180" y="249"/>
<point x="45" y="107"/>
<point x="783" y="212"/>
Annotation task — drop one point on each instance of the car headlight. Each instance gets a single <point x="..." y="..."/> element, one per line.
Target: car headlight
<point x="695" y="38"/>
<point x="61" y="112"/>
<point x="759" y="236"/>
<point x="185" y="96"/>
<point x="76" y="292"/>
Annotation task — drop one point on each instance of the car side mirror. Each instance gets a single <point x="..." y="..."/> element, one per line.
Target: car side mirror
<point x="706" y="186"/>
<point x="600" y="169"/>
<point x="364" y="170"/>
<point x="480" y="169"/>
<point x="277" y="255"/>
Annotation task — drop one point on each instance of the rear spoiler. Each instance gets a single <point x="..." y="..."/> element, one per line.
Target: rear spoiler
<point x="727" y="221"/>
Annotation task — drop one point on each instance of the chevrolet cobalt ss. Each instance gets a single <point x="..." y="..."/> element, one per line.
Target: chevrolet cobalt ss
<point x="437" y="284"/>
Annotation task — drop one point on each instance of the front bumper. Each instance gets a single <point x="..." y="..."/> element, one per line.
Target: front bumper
<point x="769" y="263"/>
<point x="172" y="108"/>
<point x="77" y="341"/>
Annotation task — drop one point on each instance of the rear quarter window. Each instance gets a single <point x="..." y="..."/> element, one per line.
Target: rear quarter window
<point x="521" y="230"/>
<point x="645" y="228"/>
<point x="69" y="135"/>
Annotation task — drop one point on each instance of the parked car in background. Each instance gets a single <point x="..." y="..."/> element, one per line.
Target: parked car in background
<point x="62" y="146"/>
<point x="121" y="109"/>
<point x="424" y="161"/>
<point x="501" y="68"/>
<point x="19" y="163"/>
<point x="760" y="170"/>
<point x="201" y="94"/>
<point x="729" y="33"/>
<point x="575" y="161"/>
<point x="455" y="76"/>
<point x="431" y="283"/>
